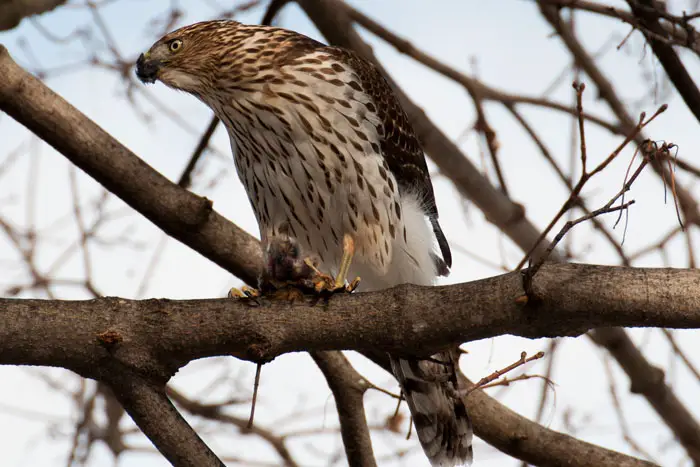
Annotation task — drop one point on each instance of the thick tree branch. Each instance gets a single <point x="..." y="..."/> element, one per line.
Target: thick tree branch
<point x="155" y="337"/>
<point x="13" y="11"/>
<point x="520" y="437"/>
<point x="186" y="177"/>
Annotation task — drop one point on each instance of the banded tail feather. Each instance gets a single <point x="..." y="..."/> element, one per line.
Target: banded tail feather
<point x="439" y="414"/>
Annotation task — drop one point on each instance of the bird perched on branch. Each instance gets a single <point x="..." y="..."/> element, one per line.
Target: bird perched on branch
<point x="329" y="160"/>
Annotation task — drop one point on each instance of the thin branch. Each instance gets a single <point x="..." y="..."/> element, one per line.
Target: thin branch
<point x="622" y="420"/>
<point x="678" y="351"/>
<point x="487" y="380"/>
<point x="677" y="30"/>
<point x="505" y="381"/>
<point x="578" y="201"/>
<point x="348" y="389"/>
<point x="576" y="192"/>
<point x="648" y="380"/>
<point x="658" y="245"/>
<point x="215" y="412"/>
<point x="551" y="353"/>
<point x="689" y="205"/>
<point x="186" y="178"/>
<point x="647" y="14"/>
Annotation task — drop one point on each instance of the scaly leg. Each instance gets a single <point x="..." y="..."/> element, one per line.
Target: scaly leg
<point x="348" y="253"/>
<point x="325" y="283"/>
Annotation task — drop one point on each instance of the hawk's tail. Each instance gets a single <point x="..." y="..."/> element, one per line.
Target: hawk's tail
<point x="441" y="420"/>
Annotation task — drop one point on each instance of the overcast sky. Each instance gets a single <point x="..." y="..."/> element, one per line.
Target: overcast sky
<point x="506" y="44"/>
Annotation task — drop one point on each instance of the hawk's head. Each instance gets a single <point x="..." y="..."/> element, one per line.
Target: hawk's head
<point x="214" y="57"/>
<point x="188" y="59"/>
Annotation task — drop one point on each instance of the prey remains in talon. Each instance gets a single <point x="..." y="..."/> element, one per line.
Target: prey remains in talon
<point x="289" y="275"/>
<point x="288" y="268"/>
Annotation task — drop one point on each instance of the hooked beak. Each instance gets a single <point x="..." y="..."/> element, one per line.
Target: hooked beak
<point x="147" y="68"/>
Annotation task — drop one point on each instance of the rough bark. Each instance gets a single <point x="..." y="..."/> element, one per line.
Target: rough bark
<point x="13" y="11"/>
<point x="155" y="337"/>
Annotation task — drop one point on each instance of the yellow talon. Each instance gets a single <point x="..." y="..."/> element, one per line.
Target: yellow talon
<point x="325" y="283"/>
<point x="243" y="292"/>
<point x="352" y="285"/>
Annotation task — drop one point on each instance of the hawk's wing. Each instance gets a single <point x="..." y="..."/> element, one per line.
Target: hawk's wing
<point x="400" y="146"/>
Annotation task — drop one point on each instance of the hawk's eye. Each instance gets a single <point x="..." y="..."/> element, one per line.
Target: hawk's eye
<point x="175" y="45"/>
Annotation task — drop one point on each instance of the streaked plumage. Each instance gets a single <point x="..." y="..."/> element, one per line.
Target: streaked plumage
<point x="324" y="149"/>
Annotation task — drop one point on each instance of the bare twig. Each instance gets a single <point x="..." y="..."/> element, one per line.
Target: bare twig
<point x="483" y="382"/>
<point x="622" y="420"/>
<point x="216" y="412"/>
<point x="186" y="177"/>
<point x="256" y="385"/>
<point x="678" y="351"/>
<point x="583" y="179"/>
<point x="677" y="30"/>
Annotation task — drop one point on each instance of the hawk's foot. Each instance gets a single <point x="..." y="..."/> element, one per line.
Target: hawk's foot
<point x="325" y="284"/>
<point x="352" y="285"/>
<point x="289" y="275"/>
<point x="243" y="292"/>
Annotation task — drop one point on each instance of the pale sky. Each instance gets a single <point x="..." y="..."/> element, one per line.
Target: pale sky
<point x="510" y="47"/>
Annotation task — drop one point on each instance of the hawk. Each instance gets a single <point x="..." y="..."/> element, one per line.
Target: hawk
<point x="328" y="159"/>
